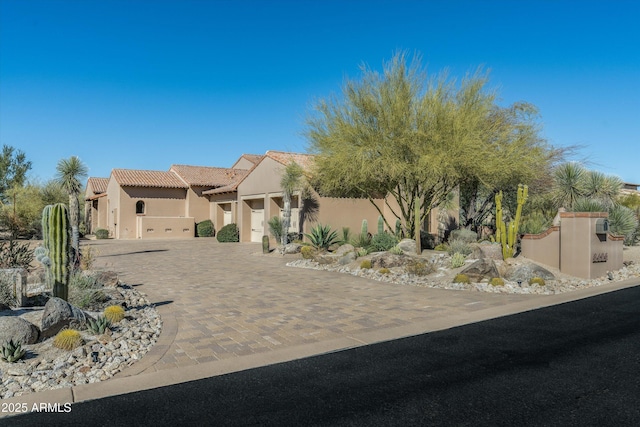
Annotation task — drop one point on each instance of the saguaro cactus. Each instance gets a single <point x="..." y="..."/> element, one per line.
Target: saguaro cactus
<point x="507" y="234"/>
<point x="364" y="228"/>
<point x="56" y="236"/>
<point x="380" y="225"/>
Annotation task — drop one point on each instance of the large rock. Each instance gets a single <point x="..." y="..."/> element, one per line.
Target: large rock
<point x="342" y="250"/>
<point x="58" y="314"/>
<point x="17" y="329"/>
<point x="108" y="278"/>
<point x="388" y="260"/>
<point x="291" y="248"/>
<point x="407" y="246"/>
<point x="484" y="251"/>
<point x="482" y="269"/>
<point x="524" y="272"/>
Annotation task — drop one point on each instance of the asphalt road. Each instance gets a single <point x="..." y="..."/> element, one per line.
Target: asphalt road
<point x="572" y="364"/>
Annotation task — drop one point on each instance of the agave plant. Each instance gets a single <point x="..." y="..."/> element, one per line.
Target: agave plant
<point x="11" y="351"/>
<point x="99" y="325"/>
<point x="321" y="237"/>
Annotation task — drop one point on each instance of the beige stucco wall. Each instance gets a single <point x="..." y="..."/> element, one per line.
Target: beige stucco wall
<point x="218" y="204"/>
<point x="242" y="163"/>
<point x="165" y="227"/>
<point x="197" y="204"/>
<point x="543" y="248"/>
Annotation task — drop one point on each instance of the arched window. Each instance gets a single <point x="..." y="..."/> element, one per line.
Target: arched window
<point x="139" y="207"/>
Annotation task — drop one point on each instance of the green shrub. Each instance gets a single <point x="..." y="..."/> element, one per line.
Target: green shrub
<point x="383" y="242"/>
<point x="396" y="250"/>
<point x="362" y="240"/>
<point x="465" y="235"/>
<point x="307" y="252"/>
<point x="534" y="223"/>
<point x="461" y="278"/>
<point x="443" y="247"/>
<point x="205" y="228"/>
<point x="419" y="268"/>
<point x="457" y="260"/>
<point x="321" y="236"/>
<point x="537" y="280"/>
<point x="276" y="228"/>
<point x="384" y="270"/>
<point x="496" y="281"/>
<point x="85" y="290"/>
<point x="6" y="290"/>
<point x="365" y="264"/>
<point x="228" y="233"/>
<point x="15" y="254"/>
<point x="362" y="252"/>
<point x="101" y="233"/>
<point x="459" y="246"/>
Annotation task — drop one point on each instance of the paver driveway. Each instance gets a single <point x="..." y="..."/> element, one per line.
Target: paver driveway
<point x="229" y="300"/>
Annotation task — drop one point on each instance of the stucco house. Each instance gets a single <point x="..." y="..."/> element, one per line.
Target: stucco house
<point x="143" y="204"/>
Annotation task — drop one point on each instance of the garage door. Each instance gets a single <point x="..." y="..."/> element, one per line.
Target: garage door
<point x="257" y="225"/>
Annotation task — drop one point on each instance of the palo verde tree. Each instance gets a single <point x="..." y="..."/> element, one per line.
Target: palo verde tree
<point x="13" y="169"/>
<point x="413" y="139"/>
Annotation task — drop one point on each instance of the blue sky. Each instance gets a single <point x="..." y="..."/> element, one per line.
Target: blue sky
<point x="146" y="84"/>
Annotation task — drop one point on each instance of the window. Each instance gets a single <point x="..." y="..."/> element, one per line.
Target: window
<point x="140" y="207"/>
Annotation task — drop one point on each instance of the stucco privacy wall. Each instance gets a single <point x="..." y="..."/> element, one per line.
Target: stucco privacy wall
<point x="150" y="227"/>
<point x="582" y="250"/>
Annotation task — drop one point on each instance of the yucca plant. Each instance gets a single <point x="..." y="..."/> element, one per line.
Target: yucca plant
<point x="99" y="325"/>
<point x="321" y="237"/>
<point x="12" y="352"/>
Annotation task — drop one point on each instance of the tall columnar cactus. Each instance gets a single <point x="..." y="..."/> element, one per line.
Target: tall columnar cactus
<point x="364" y="229"/>
<point x="380" y="224"/>
<point x="57" y="242"/>
<point x="507" y="234"/>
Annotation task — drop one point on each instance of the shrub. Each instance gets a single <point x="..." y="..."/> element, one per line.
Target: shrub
<point x="384" y="270"/>
<point x="114" y="313"/>
<point x="98" y="326"/>
<point x="275" y="228"/>
<point x="205" y="228"/>
<point x="383" y="242"/>
<point x="457" y="260"/>
<point x="537" y="280"/>
<point x="321" y="236"/>
<point x="15" y="255"/>
<point x="534" y="223"/>
<point x="496" y="281"/>
<point x="396" y="250"/>
<point x="307" y="252"/>
<point x="442" y="247"/>
<point x="67" y="339"/>
<point x="228" y="233"/>
<point x="365" y="264"/>
<point x="461" y="278"/>
<point x="419" y="268"/>
<point x="362" y="252"/>
<point x="6" y="290"/>
<point x="101" y="233"/>
<point x="459" y="246"/>
<point x="11" y="351"/>
<point x="87" y="257"/>
<point x="85" y="291"/>
<point x="465" y="235"/>
<point x="427" y="241"/>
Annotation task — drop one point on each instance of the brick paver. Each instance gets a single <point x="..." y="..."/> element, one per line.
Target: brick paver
<point x="229" y="300"/>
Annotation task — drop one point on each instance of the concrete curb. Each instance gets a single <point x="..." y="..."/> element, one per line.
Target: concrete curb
<point x="142" y="376"/>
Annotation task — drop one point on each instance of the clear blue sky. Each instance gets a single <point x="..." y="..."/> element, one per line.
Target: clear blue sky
<point x="146" y="84"/>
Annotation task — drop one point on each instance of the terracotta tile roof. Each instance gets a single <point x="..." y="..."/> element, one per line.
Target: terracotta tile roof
<point x="98" y="185"/>
<point x="253" y="158"/>
<point x="146" y="178"/>
<point x="226" y="189"/>
<point x="205" y="176"/>
<point x="304" y="160"/>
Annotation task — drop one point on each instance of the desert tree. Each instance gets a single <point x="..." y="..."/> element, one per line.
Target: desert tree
<point x="403" y="136"/>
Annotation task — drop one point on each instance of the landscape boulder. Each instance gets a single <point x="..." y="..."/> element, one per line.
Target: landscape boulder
<point x="487" y="251"/>
<point x="388" y="260"/>
<point x="524" y="272"/>
<point x="291" y="248"/>
<point x="482" y="269"/>
<point x="58" y="314"/>
<point x="407" y="246"/>
<point x="18" y="329"/>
